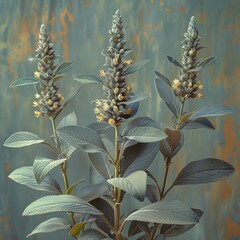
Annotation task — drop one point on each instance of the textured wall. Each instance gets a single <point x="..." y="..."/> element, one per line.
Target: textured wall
<point x="154" y="29"/>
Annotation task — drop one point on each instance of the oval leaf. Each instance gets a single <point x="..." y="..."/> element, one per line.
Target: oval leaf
<point x="42" y="166"/>
<point x="93" y="235"/>
<point x="25" y="176"/>
<point x="87" y="79"/>
<point x="60" y="203"/>
<point x="134" y="184"/>
<point x="163" y="78"/>
<point x="168" y="212"/>
<point x="22" y="139"/>
<point x="136" y="98"/>
<point x="204" y="171"/>
<point x="134" y="67"/>
<point x="50" y="225"/>
<point x="72" y="94"/>
<point x="207" y="61"/>
<point x="174" y="61"/>
<point x="25" y="81"/>
<point x="63" y="68"/>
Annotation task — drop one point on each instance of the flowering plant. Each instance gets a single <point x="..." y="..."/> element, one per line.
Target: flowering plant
<point x="119" y="163"/>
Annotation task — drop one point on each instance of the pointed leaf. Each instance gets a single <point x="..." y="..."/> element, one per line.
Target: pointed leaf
<point x="71" y="188"/>
<point x="25" y="176"/>
<point x="199" y="123"/>
<point x="63" y="68"/>
<point x="204" y="171"/>
<point x="93" y="235"/>
<point x="25" y="81"/>
<point x="37" y="60"/>
<point x="136" y="98"/>
<point x="211" y="111"/>
<point x="99" y="127"/>
<point x="168" y="212"/>
<point x="163" y="78"/>
<point x="42" y="166"/>
<point x="87" y="78"/>
<point x="60" y="203"/>
<point x="82" y="138"/>
<point x="207" y="61"/>
<point x="134" y="184"/>
<point x="77" y="228"/>
<point x="134" y="67"/>
<point x="50" y="225"/>
<point x="174" y="61"/>
<point x="152" y="193"/>
<point x="72" y="94"/>
<point x="168" y="96"/>
<point x="137" y="227"/>
<point x="22" y="139"/>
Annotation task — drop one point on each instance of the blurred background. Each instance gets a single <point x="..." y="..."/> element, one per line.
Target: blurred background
<point x="154" y="30"/>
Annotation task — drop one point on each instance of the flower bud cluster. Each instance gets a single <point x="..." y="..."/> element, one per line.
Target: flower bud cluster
<point x="48" y="100"/>
<point x="187" y="85"/>
<point x="115" y="90"/>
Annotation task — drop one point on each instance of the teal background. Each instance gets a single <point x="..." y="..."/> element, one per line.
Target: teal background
<point x="154" y="30"/>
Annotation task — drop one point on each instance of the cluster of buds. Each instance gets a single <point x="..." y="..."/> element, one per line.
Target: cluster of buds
<point x="115" y="90"/>
<point x="48" y="100"/>
<point x="187" y="85"/>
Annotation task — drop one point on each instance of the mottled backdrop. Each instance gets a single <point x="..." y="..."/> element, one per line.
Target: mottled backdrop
<point x="154" y="29"/>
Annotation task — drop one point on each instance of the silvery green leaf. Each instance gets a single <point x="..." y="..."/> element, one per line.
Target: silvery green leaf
<point x="171" y="230"/>
<point x="87" y="79"/>
<point x="63" y="68"/>
<point x="22" y="139"/>
<point x="50" y="225"/>
<point x="146" y="134"/>
<point x="42" y="166"/>
<point x="194" y="70"/>
<point x="93" y="235"/>
<point x="25" y="81"/>
<point x="138" y="157"/>
<point x="163" y="78"/>
<point x="25" y="176"/>
<point x="174" y="61"/>
<point x="168" y="96"/>
<point x="82" y="138"/>
<point x="137" y="227"/>
<point x="204" y="171"/>
<point x="198" y="123"/>
<point x="152" y="193"/>
<point x="211" y="111"/>
<point x="134" y="184"/>
<point x="37" y="60"/>
<point x="95" y="177"/>
<point x="199" y="47"/>
<point x="99" y="127"/>
<point x="134" y="67"/>
<point x="72" y="94"/>
<point x="136" y="98"/>
<point x="73" y="185"/>
<point x="168" y="212"/>
<point x="60" y="203"/>
<point x="207" y="61"/>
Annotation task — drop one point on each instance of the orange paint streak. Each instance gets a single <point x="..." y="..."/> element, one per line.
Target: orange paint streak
<point x="152" y="1"/>
<point x="52" y="23"/>
<point x="64" y="33"/>
<point x="181" y="9"/>
<point x="2" y="219"/>
<point x="8" y="166"/>
<point x="87" y="3"/>
<point x="161" y="3"/>
<point x="232" y="229"/>
<point x="201" y="16"/>
<point x="136" y="40"/>
<point x="169" y="10"/>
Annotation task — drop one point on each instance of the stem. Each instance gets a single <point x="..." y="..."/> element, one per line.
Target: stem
<point x="63" y="165"/>
<point x="181" y="112"/>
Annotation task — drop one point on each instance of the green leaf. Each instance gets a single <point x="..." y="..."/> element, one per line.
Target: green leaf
<point x="152" y="193"/>
<point x="136" y="98"/>
<point x="77" y="228"/>
<point x="174" y="61"/>
<point x="24" y="81"/>
<point x="207" y="61"/>
<point x="198" y="123"/>
<point x="60" y="203"/>
<point x="72" y="94"/>
<point x="71" y="188"/>
<point x="163" y="78"/>
<point x="25" y="176"/>
<point x="63" y="68"/>
<point x="99" y="127"/>
<point x="168" y="212"/>
<point x="50" y="225"/>
<point x="42" y="166"/>
<point x="146" y="134"/>
<point x="204" y="171"/>
<point x="37" y="60"/>
<point x="93" y="235"/>
<point x="22" y="139"/>
<point x="168" y="96"/>
<point x="134" y="184"/>
<point x="137" y="227"/>
<point x="134" y="67"/>
<point x="87" y="79"/>
<point x="211" y="111"/>
<point x="82" y="138"/>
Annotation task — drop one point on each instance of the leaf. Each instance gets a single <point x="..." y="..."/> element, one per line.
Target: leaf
<point x="152" y="193"/>
<point x="174" y="61"/>
<point x="146" y="134"/>
<point x="37" y="60"/>
<point x="207" y="61"/>
<point x="60" y="203"/>
<point x="72" y="94"/>
<point x="76" y="229"/>
<point x="87" y="78"/>
<point x="169" y="230"/>
<point x="22" y="139"/>
<point x="134" y="67"/>
<point x="24" y="81"/>
<point x="168" y="212"/>
<point x="42" y="166"/>
<point x="71" y="188"/>
<point x="63" y="68"/>
<point x="199" y="123"/>
<point x="163" y="78"/>
<point x="136" y="98"/>
<point x="135" y="184"/>
<point x="137" y="227"/>
<point x="168" y="96"/>
<point x="82" y="138"/>
<point x="204" y="171"/>
<point x="138" y="157"/>
<point x="25" y="176"/>
<point x="93" y="235"/>
<point x="211" y="111"/>
<point x="50" y="225"/>
<point x="99" y="127"/>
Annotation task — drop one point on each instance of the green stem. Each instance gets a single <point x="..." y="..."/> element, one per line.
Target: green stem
<point x="182" y="101"/>
<point x="63" y="165"/>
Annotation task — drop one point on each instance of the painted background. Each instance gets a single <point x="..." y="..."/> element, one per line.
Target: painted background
<point x="153" y="29"/>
